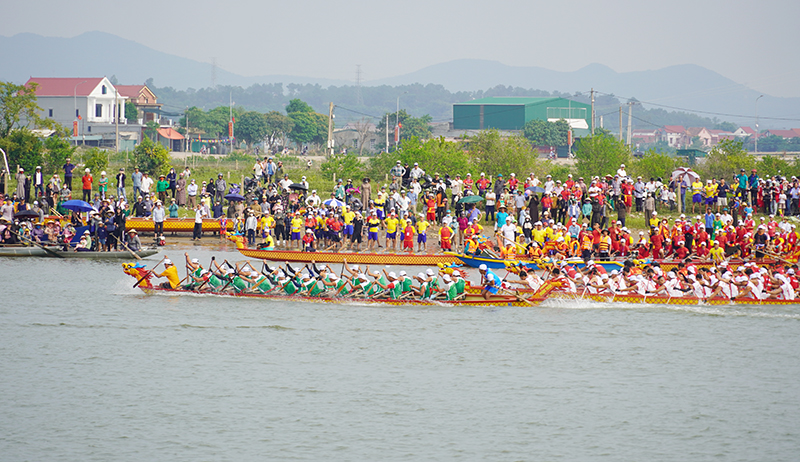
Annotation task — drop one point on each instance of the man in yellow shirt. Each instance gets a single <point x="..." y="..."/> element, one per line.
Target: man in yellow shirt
<point x="296" y="228"/>
<point x="711" y="192"/>
<point x="391" y="230"/>
<point x="717" y="253"/>
<point x="373" y="224"/>
<point x="697" y="193"/>
<point x="538" y="234"/>
<point x="347" y="231"/>
<point x="171" y="273"/>
<point x="422" y="234"/>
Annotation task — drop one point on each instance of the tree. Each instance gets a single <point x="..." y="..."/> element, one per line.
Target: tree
<point x="544" y="133"/>
<point x="278" y="127"/>
<point x="251" y="127"/>
<point x="55" y="154"/>
<point x="131" y="113"/>
<point x="725" y="159"/>
<point x="771" y="165"/>
<point x="151" y="157"/>
<point x="309" y="127"/>
<point x="23" y="149"/>
<point x="297" y="105"/>
<point x="653" y="165"/>
<point x="95" y="159"/>
<point x="410" y="127"/>
<point x="18" y="109"/>
<point x="729" y="127"/>
<point x="151" y="128"/>
<point x="434" y="156"/>
<point x="600" y="155"/>
<point x="362" y="128"/>
<point x="492" y="154"/>
<point x="343" y="167"/>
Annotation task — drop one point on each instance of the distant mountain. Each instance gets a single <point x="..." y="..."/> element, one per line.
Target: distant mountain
<point x="687" y="87"/>
<point x="99" y="54"/>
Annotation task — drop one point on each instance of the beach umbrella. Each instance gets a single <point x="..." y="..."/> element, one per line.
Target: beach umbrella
<point x="334" y="203"/>
<point x="470" y="199"/>
<point x="26" y="214"/>
<point x="298" y="186"/>
<point x="77" y="206"/>
<point x="685" y="171"/>
<point x="234" y="197"/>
<point x="534" y="189"/>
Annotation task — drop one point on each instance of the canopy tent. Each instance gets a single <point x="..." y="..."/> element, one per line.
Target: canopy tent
<point x="170" y="134"/>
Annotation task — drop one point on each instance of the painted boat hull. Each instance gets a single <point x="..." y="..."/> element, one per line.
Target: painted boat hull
<point x="351" y="257"/>
<point x="664" y="300"/>
<point x="37" y="252"/>
<point x="498" y="263"/>
<point x="175" y="225"/>
<point x="469" y="301"/>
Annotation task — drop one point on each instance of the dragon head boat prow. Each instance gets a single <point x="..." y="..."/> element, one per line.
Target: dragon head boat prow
<point x="138" y="271"/>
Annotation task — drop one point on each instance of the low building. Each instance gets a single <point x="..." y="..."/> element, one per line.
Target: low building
<point x="673" y="135"/>
<point x="144" y="99"/>
<point x="512" y="113"/>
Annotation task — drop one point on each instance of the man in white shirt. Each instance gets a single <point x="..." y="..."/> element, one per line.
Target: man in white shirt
<point x="191" y="193"/>
<point x="549" y="184"/>
<point x="199" y="214"/>
<point x="314" y="200"/>
<point x="621" y="171"/>
<point x="456" y="186"/>
<point x="258" y="170"/>
<point x="508" y="232"/>
<point x="416" y="172"/>
<point x="147" y="183"/>
<point x="285" y="182"/>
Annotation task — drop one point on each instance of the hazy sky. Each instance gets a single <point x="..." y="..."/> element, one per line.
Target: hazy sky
<point x="750" y="42"/>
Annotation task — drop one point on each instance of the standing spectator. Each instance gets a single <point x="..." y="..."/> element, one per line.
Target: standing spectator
<point x="173" y="209"/>
<point x="159" y="214"/>
<point x="172" y="177"/>
<point x="366" y="192"/>
<point x="102" y="185"/>
<point x="199" y="213"/>
<point x="87" y="181"/>
<point x="638" y="193"/>
<point x="146" y="184"/>
<point x="137" y="182"/>
<point x="38" y="182"/>
<point x="21" y="177"/>
<point x="397" y="171"/>
<point x="752" y="186"/>
<point x="191" y="193"/>
<point x="219" y="187"/>
<point x="68" y="168"/>
<point x="499" y="184"/>
<point x="269" y="171"/>
<point x="250" y="226"/>
<point x="180" y="188"/>
<point x="162" y="187"/>
<point x="491" y="200"/>
<point x="121" y="183"/>
<point x="258" y="171"/>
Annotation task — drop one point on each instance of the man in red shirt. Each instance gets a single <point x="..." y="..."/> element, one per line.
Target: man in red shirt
<point x="87" y="181"/>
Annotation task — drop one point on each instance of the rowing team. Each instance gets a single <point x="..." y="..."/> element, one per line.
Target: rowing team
<point x="748" y="280"/>
<point x="445" y="284"/>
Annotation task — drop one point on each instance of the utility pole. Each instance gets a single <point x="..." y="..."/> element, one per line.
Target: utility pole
<point x="330" y="130"/>
<point x="620" y="124"/>
<point x="630" y="121"/>
<point x="188" y="145"/>
<point x="116" y="118"/>
<point x="757" y="122"/>
<point x="592" y="111"/>
<point x="387" y="132"/>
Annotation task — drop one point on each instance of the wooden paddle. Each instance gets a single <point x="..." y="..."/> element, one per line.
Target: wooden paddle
<point x="129" y="250"/>
<point x="148" y="273"/>
<point x="50" y="252"/>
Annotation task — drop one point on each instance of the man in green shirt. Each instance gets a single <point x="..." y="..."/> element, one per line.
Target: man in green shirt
<point x="161" y="188"/>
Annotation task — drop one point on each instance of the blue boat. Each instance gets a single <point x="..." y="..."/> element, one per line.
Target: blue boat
<point x="499" y="263"/>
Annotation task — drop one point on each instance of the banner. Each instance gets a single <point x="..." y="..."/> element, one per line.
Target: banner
<point x="74" y="128"/>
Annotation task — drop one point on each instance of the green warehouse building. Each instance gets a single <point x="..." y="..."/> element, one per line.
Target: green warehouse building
<point x="512" y="113"/>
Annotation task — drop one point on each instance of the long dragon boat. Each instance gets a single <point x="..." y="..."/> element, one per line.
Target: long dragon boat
<point x="141" y="274"/>
<point x="547" y="263"/>
<point x="58" y="252"/>
<point x="175" y="225"/>
<point x="360" y="258"/>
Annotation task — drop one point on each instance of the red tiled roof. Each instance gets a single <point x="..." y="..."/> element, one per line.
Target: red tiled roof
<point x="131" y="91"/>
<point x="784" y="133"/>
<point x="56" y="86"/>
<point x="674" y="128"/>
<point x="796" y="130"/>
<point x="748" y="130"/>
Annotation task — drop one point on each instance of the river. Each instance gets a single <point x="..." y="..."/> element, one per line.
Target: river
<point x="93" y="370"/>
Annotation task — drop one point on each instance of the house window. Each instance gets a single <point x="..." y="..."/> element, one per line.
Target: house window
<point x="89" y="128"/>
<point x="98" y="110"/>
<point x="104" y="90"/>
<point x="50" y="113"/>
<point x="77" y="112"/>
<point x="355" y="142"/>
<point x="372" y="144"/>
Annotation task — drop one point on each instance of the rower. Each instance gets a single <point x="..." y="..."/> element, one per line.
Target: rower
<point x="490" y="282"/>
<point x="171" y="273"/>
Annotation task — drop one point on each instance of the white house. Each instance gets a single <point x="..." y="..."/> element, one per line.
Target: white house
<point x="88" y="101"/>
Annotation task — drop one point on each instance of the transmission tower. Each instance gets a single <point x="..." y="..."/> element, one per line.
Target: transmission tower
<point x="359" y="98"/>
